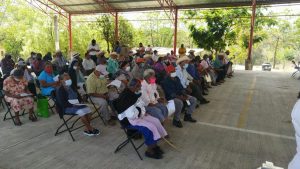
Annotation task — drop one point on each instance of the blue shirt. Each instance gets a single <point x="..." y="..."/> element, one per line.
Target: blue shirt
<point x="172" y="88"/>
<point x="46" y="91"/>
<point x="191" y="69"/>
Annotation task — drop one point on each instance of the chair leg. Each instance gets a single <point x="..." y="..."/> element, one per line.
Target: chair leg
<point x="136" y="149"/>
<point x="120" y="146"/>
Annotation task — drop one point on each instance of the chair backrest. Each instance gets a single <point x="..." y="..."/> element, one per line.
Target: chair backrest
<point x="58" y="106"/>
<point x="114" y="104"/>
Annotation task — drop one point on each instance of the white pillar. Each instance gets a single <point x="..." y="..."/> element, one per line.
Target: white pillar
<point x="56" y="33"/>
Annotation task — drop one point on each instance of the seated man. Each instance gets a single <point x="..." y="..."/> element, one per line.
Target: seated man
<point x="174" y="91"/>
<point x="96" y="87"/>
<point x="133" y="115"/>
<point x="88" y="64"/>
<point x="154" y="104"/>
<point x="46" y="79"/>
<point x="219" y="67"/>
<point x="186" y="80"/>
<point x="64" y="95"/>
<point x="16" y="94"/>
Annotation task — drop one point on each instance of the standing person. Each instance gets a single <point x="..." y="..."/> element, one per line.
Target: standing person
<point x="7" y="65"/>
<point x="93" y="49"/>
<point x="182" y="50"/>
<point x="60" y="62"/>
<point x="96" y="86"/>
<point x="155" y="56"/>
<point x="88" y="64"/>
<point x="228" y="64"/>
<point x="141" y="49"/>
<point x="148" y="50"/>
<point x="295" y="163"/>
<point x="14" y="86"/>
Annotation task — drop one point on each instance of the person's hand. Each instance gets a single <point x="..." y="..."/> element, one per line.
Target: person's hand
<point x="161" y="100"/>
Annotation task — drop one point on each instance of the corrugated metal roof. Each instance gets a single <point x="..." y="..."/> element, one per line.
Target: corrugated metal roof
<point x="97" y="6"/>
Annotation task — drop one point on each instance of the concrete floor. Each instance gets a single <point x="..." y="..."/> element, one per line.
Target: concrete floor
<point x="246" y="124"/>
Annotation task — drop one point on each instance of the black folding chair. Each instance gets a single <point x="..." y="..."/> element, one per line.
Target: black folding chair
<point x="130" y="134"/>
<point x="97" y="109"/>
<point x="60" y="111"/>
<point x="8" y="111"/>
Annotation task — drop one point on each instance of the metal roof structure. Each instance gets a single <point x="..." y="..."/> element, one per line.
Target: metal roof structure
<point x="68" y="8"/>
<point x="104" y="6"/>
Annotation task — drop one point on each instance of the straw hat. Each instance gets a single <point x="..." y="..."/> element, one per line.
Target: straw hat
<point x="184" y="58"/>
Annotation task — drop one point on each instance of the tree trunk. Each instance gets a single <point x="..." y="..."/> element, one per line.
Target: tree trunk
<point x="275" y="53"/>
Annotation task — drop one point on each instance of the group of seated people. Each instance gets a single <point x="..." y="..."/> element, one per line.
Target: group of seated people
<point x="136" y="90"/>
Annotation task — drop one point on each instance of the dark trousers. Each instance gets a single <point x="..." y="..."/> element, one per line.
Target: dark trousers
<point x="31" y="88"/>
<point x="197" y="91"/>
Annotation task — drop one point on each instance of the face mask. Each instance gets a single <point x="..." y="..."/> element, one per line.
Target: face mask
<point x="186" y="66"/>
<point x="127" y="69"/>
<point x="173" y="74"/>
<point x="75" y="67"/>
<point x="101" y="77"/>
<point x="68" y="82"/>
<point x="152" y="80"/>
<point x="49" y="70"/>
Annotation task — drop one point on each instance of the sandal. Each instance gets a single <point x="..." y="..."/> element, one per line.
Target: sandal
<point x="32" y="118"/>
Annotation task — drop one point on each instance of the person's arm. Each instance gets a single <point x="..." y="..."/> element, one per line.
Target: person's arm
<point x="45" y="84"/>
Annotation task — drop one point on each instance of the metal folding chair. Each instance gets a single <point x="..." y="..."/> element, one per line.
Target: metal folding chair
<point x="128" y="130"/>
<point x="70" y="129"/>
<point x="8" y="111"/>
<point x="97" y="108"/>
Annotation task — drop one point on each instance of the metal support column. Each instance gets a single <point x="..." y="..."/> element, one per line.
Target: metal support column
<point x="117" y="26"/>
<point x="56" y="32"/>
<point x="248" y="62"/>
<point x="70" y="32"/>
<point x="175" y="31"/>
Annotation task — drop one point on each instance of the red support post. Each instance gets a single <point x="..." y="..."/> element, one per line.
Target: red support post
<point x="175" y="31"/>
<point x="252" y="30"/>
<point x="70" y="32"/>
<point x="116" y="26"/>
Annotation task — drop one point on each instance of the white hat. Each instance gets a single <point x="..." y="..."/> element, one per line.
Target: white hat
<point x="147" y="56"/>
<point x="21" y="63"/>
<point x="184" y="58"/>
<point x="116" y="83"/>
<point x="102" y="69"/>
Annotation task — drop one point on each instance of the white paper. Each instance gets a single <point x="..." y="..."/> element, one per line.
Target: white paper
<point x="188" y="102"/>
<point x="171" y="107"/>
<point x="25" y="94"/>
<point x="74" y="101"/>
<point x="56" y="78"/>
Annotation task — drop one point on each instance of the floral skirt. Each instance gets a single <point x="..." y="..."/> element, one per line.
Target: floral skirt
<point x="20" y="104"/>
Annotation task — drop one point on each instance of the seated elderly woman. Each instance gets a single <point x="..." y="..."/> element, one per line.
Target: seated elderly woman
<point x="133" y="115"/>
<point x="68" y="100"/>
<point x="18" y="96"/>
<point x="154" y="104"/>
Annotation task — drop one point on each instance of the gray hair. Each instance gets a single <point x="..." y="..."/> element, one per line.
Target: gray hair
<point x="148" y="72"/>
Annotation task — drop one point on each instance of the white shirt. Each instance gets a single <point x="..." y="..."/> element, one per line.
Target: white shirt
<point x="184" y="77"/>
<point x="96" y="47"/>
<point x="295" y="163"/>
<point x="155" y="58"/>
<point x="88" y="64"/>
<point x="148" y="93"/>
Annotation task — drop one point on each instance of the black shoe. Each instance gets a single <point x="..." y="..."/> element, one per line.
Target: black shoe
<point x="204" y="102"/>
<point x="177" y="123"/>
<point x="189" y="119"/>
<point x="153" y="155"/>
<point x="96" y="132"/>
<point x="158" y="150"/>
